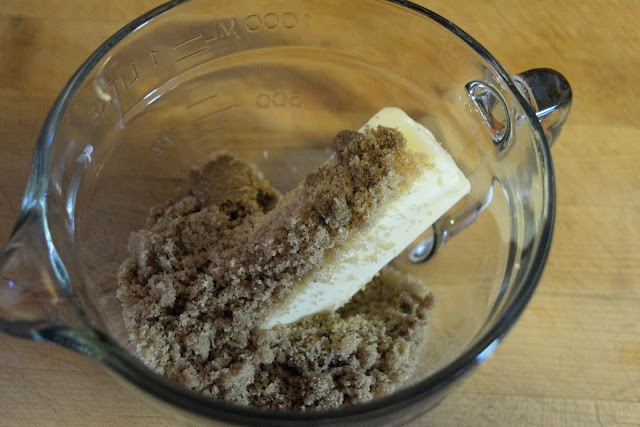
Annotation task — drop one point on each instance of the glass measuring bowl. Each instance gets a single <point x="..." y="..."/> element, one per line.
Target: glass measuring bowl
<point x="272" y="82"/>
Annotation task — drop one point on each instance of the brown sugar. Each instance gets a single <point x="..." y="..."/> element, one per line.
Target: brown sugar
<point x="212" y="261"/>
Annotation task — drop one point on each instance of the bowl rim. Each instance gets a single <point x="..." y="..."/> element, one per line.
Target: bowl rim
<point x="104" y="349"/>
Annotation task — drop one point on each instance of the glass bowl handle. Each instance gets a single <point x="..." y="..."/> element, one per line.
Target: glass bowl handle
<point x="549" y="93"/>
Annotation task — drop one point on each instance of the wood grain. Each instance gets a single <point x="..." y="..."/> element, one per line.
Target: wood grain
<point x="574" y="356"/>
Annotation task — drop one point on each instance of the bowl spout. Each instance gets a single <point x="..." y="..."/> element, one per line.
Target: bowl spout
<point x="30" y="296"/>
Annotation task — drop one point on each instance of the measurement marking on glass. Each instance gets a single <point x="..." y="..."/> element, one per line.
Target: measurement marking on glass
<point x="192" y="39"/>
<point x="229" y="107"/>
<point x="192" y="54"/>
<point x="226" y="29"/>
<point x="93" y="112"/>
<point x="207" y="135"/>
<point x="201" y="101"/>
<point x="200" y="132"/>
<point x="164" y="142"/>
<point x="112" y="84"/>
<point x="197" y="87"/>
<point x="154" y="54"/>
<point x="135" y="77"/>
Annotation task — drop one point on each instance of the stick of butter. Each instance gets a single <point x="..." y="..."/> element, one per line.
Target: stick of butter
<point x="401" y="220"/>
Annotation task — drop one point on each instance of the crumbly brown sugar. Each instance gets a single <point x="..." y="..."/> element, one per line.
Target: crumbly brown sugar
<point x="211" y="262"/>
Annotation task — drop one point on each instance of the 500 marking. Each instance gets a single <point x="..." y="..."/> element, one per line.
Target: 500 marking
<point x="278" y="99"/>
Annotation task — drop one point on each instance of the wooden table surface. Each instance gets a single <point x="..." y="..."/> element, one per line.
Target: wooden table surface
<point x="574" y="356"/>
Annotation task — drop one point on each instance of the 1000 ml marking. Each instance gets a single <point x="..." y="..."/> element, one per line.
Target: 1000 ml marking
<point x="271" y="21"/>
<point x="226" y="29"/>
<point x="110" y="87"/>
